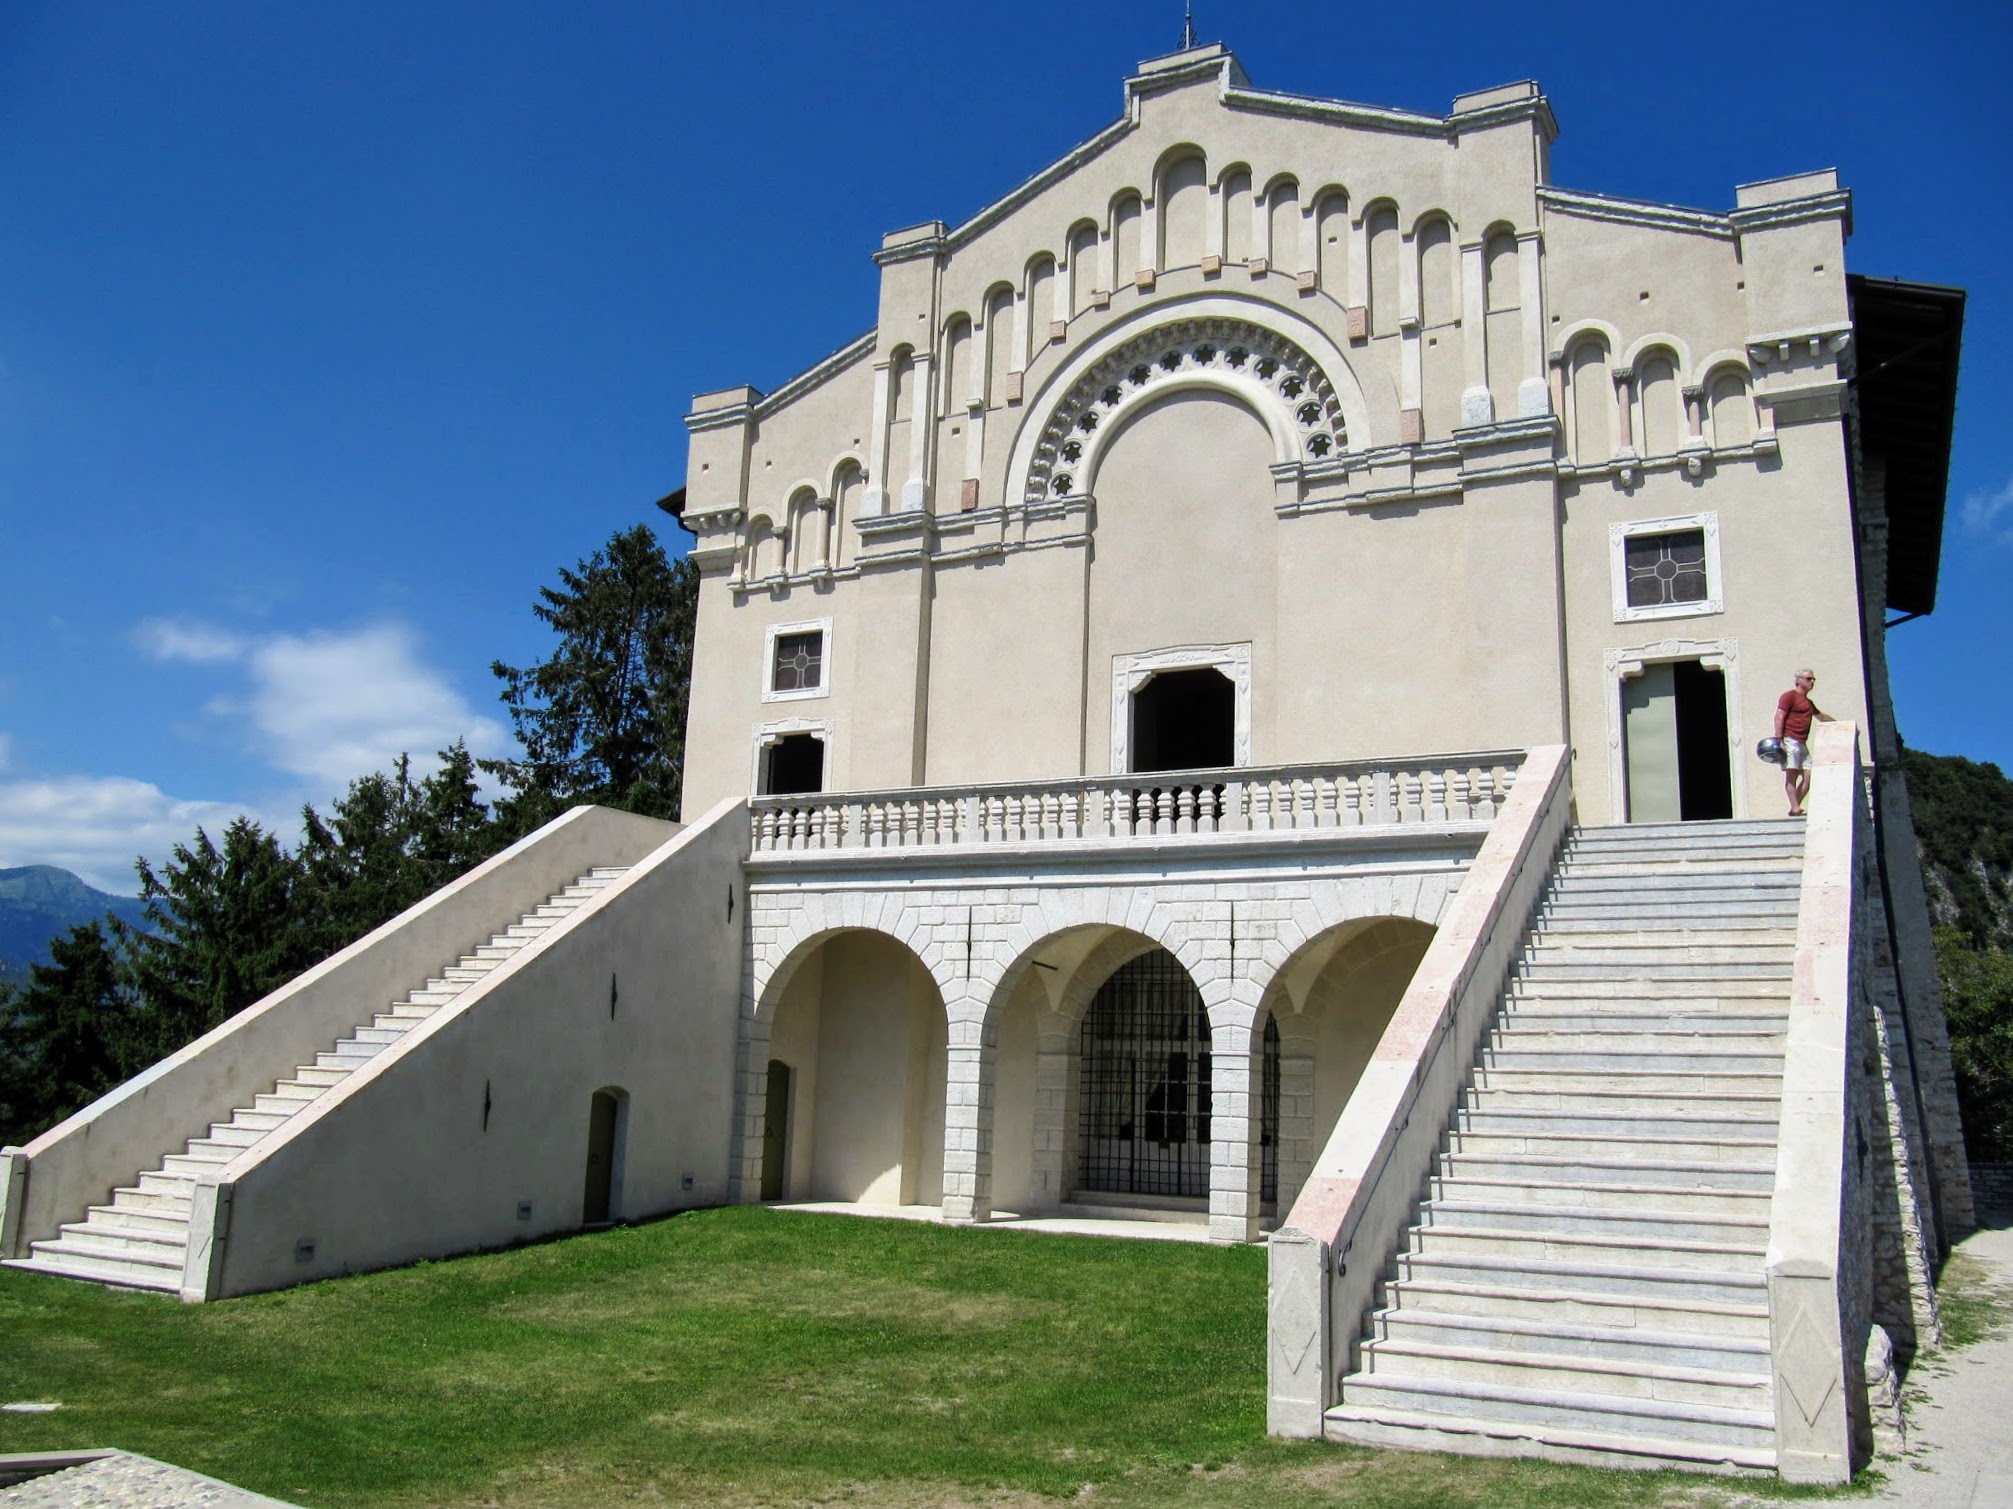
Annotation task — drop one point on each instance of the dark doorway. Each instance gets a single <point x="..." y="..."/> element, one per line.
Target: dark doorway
<point x="776" y="1130"/>
<point x="793" y="765"/>
<point x="1705" y="775"/>
<point x="1144" y="1059"/>
<point x="602" y="1116"/>
<point x="1184" y="720"/>
<point x="1675" y="733"/>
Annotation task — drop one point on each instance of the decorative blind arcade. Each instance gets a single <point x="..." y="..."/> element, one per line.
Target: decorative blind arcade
<point x="1665" y="569"/>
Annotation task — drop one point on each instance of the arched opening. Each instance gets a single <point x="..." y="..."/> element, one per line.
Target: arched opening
<point x="607" y="1126"/>
<point x="1282" y="220"/>
<point x="849" y="490"/>
<point x="1125" y="240"/>
<point x="1143" y="1065"/>
<point x="862" y="1041"/>
<point x="1184" y="720"/>
<point x="793" y="765"/>
<point x="1332" y="244"/>
<point x="1439" y="273"/>
<point x="1041" y="304"/>
<point x="776" y="1130"/>
<point x="1326" y="1010"/>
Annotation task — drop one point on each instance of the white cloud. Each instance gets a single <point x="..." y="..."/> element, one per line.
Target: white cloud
<point x="1989" y="514"/>
<point x="182" y="639"/>
<point x="94" y="826"/>
<point x="323" y="708"/>
<point x="328" y="707"/>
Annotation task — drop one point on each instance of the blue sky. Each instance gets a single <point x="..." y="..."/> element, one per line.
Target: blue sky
<point x="330" y="331"/>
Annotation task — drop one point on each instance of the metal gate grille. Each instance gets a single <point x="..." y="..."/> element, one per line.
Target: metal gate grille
<point x="1145" y="1066"/>
<point x="1268" y="1117"/>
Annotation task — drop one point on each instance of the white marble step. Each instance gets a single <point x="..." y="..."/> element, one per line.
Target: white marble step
<point x="1481" y="1297"/>
<point x="1475" y="1432"/>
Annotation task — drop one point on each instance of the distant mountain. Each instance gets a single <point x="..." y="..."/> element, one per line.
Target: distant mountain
<point x="40" y="903"/>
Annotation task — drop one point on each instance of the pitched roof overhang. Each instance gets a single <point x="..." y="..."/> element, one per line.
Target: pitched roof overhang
<point x="1907" y="337"/>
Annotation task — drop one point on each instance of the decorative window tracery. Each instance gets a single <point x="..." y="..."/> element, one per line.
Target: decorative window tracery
<point x="1174" y="354"/>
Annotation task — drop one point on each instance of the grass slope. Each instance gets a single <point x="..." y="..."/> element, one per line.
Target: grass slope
<point x="733" y="1357"/>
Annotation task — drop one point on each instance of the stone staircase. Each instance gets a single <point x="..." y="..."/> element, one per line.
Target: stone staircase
<point x="141" y="1239"/>
<point x="1585" y="1279"/>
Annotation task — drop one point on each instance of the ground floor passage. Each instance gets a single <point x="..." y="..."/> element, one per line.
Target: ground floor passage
<point x="1099" y="1087"/>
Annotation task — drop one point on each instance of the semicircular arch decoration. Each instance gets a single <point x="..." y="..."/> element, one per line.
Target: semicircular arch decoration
<point x="1279" y="380"/>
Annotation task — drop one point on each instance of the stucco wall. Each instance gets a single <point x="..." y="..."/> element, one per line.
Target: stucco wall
<point x="431" y="1148"/>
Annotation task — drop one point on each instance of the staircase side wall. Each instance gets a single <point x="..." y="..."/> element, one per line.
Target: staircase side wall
<point x="1820" y="1248"/>
<point x="438" y="1148"/>
<point x="80" y="1161"/>
<point x="1329" y="1256"/>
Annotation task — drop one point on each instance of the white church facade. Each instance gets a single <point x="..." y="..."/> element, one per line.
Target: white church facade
<point x="1231" y="706"/>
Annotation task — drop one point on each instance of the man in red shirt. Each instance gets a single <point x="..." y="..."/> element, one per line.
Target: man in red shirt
<point x="1794" y="712"/>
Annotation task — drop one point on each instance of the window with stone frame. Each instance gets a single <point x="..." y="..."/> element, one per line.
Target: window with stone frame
<point x="799" y="663"/>
<point x="1665" y="570"/>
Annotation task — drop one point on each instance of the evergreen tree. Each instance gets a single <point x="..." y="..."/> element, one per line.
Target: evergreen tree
<point x="226" y="931"/>
<point x="603" y="719"/>
<point x="72" y="1033"/>
<point x="1978" y="1001"/>
<point x="387" y="843"/>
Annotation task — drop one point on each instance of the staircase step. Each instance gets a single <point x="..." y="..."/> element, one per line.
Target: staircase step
<point x="144" y="1200"/>
<point x="1663" y="1419"/>
<point x="1618" y="1096"/>
<point x="1756" y="1175"/>
<point x="76" y="1245"/>
<point x="1555" y="1245"/>
<point x="174" y="1184"/>
<point x="1615" y="1378"/>
<point x="1745" y="1357"/>
<point x="1500" y="1143"/>
<point x="1476" y="1433"/>
<point x="119" y="1216"/>
<point x="1692" y="991"/>
<point x="1556" y="1308"/>
<point x="1620" y="1227"/>
<point x="99" y="1270"/>
<point x="284" y="1102"/>
<point x="1623" y="1062"/>
<point x="314" y="1077"/>
<point x="1544" y="967"/>
<point x="194" y="1164"/>
<point x="256" y="1118"/>
<point x="1560" y="1198"/>
<point x="160" y="1246"/>
<point x="1640" y="1124"/>
<point x="1743" y="1082"/>
<point x="228" y="1134"/>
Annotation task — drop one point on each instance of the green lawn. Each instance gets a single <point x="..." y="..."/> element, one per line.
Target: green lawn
<point x="733" y="1357"/>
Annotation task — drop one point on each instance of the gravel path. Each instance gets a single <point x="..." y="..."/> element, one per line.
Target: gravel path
<point x="121" y="1481"/>
<point x="1960" y="1430"/>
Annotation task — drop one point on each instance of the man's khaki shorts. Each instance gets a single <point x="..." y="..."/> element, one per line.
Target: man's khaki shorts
<point x="1795" y="755"/>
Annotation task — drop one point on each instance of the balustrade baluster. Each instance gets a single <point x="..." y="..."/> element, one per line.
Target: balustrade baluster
<point x="1436" y="796"/>
<point x="1184" y="809"/>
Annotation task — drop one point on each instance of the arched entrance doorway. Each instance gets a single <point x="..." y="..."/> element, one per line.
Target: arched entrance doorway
<point x="1185" y="720"/>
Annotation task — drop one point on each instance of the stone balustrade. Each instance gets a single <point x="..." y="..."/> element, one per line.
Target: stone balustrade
<point x="1275" y="799"/>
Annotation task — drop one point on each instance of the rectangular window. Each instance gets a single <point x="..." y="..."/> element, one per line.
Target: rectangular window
<point x="1665" y="569"/>
<point x="799" y="665"/>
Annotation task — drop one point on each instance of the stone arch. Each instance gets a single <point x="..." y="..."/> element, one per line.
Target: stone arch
<point x="958" y="375"/>
<point x="1332" y="250"/>
<point x="1433" y="243"/>
<point x="1383" y="252"/>
<point x="849" y="487"/>
<point x="1035" y="1021"/>
<point x="1331" y="1005"/>
<point x="1659" y="382"/>
<point x="875" y="1021"/>
<point x="1279" y="364"/>
<point x="1588" y="383"/>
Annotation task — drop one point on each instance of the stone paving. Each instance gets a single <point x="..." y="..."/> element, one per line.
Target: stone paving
<point x="1960" y="1453"/>
<point x="123" y="1481"/>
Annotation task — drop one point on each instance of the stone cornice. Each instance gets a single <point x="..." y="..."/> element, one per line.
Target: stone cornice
<point x="721" y="418"/>
<point x="1669" y="217"/>
<point x="1834" y="205"/>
